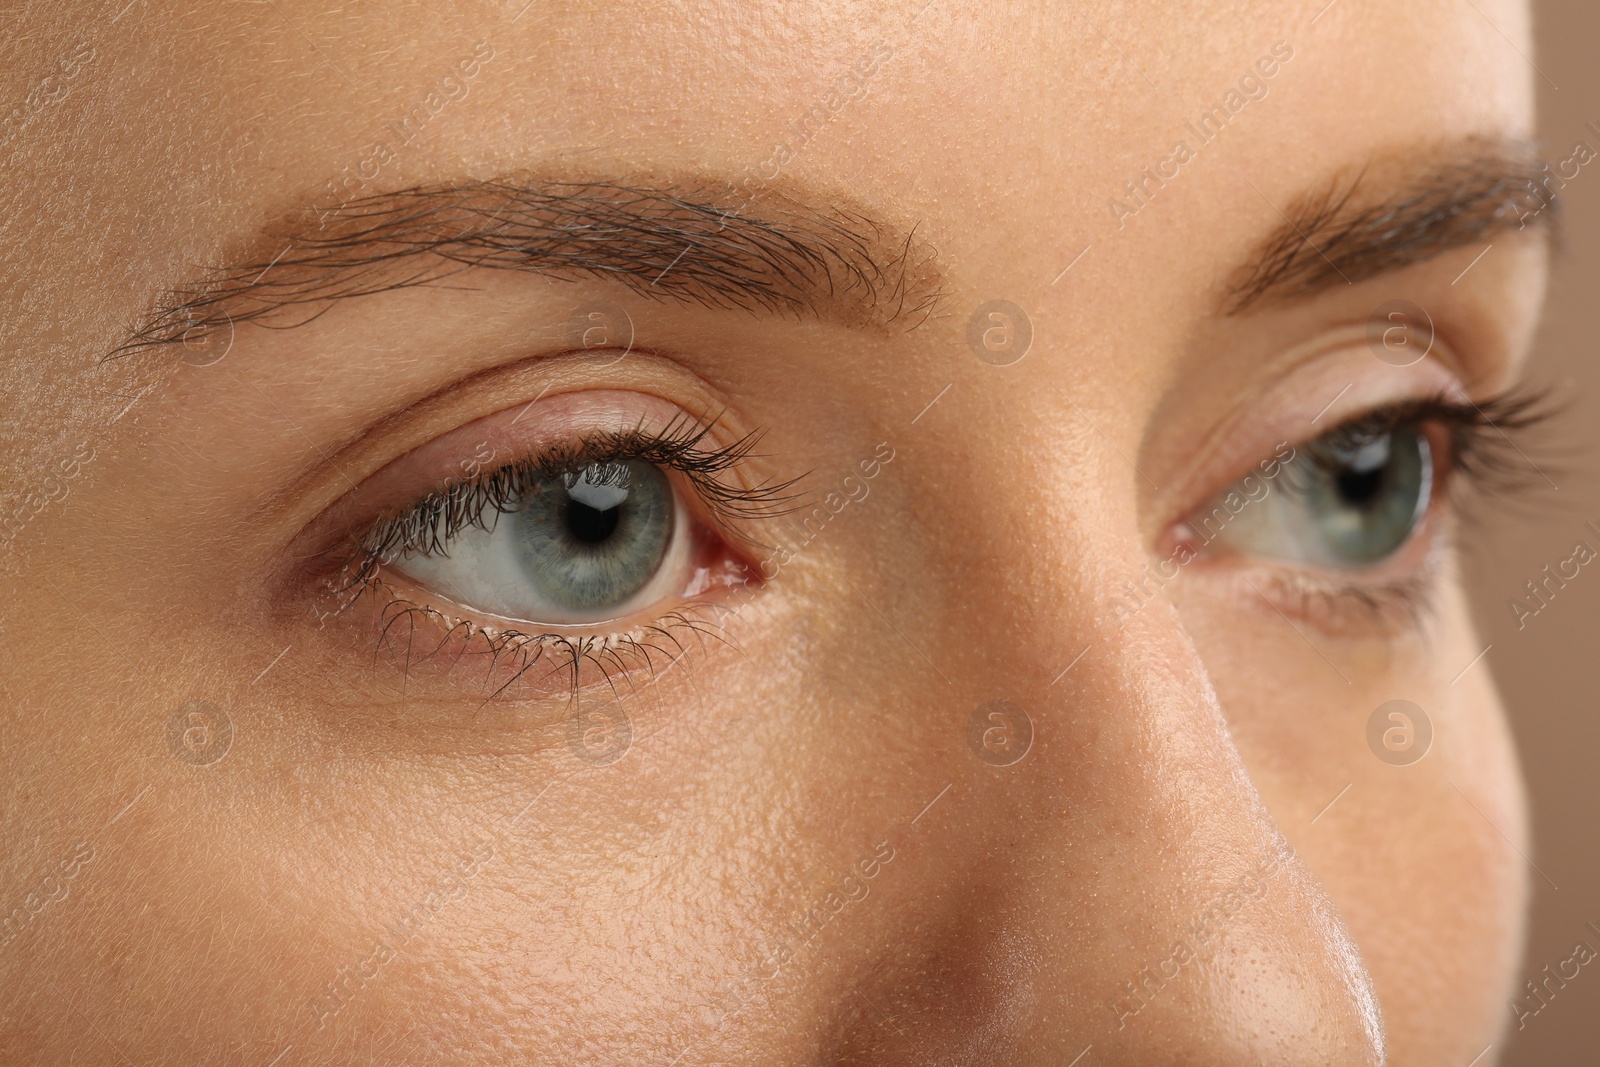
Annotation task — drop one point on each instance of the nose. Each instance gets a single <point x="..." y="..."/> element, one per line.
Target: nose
<point x="1133" y="900"/>
<point x="1216" y="945"/>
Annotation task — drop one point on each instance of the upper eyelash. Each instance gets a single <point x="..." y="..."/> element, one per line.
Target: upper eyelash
<point x="1483" y="450"/>
<point x="1485" y="442"/>
<point x="427" y="525"/>
<point x="1482" y="447"/>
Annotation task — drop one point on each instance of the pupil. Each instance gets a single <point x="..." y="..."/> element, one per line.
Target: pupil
<point x="591" y="525"/>
<point x="1364" y="473"/>
<point x="1359" y="487"/>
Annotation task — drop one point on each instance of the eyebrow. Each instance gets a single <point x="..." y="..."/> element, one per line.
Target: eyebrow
<point x="692" y="243"/>
<point x="1466" y="191"/>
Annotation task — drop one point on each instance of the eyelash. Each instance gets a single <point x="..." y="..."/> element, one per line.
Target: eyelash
<point x="427" y="525"/>
<point x="1480" y="453"/>
<point x="430" y="523"/>
<point x="1482" y="458"/>
<point x="1480" y="446"/>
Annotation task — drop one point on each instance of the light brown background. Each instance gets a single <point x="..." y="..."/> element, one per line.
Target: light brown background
<point x="1549" y="671"/>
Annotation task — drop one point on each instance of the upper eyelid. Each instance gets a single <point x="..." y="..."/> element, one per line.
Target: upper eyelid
<point x="1459" y="418"/>
<point x="331" y="549"/>
<point x="1312" y="386"/>
<point x="1330" y="383"/>
<point x="675" y="447"/>
<point x="697" y="464"/>
<point x="1477" y="454"/>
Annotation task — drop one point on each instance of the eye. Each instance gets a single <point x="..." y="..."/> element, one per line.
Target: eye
<point x="578" y="547"/>
<point x="593" y="538"/>
<point x="1356" y="512"/>
<point x="1350" y="498"/>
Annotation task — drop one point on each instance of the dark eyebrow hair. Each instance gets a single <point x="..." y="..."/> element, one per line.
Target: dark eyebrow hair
<point x="699" y="243"/>
<point x="1468" y="190"/>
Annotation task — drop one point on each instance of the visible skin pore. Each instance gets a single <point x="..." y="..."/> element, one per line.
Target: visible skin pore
<point x="389" y="867"/>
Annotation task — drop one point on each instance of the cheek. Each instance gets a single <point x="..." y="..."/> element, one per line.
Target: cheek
<point x="1433" y="832"/>
<point x="1386" y="837"/>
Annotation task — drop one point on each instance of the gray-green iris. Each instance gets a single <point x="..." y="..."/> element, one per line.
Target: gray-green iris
<point x="591" y="540"/>
<point x="1363" y="497"/>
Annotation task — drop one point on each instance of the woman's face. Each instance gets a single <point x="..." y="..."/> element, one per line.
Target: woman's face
<point x="853" y="534"/>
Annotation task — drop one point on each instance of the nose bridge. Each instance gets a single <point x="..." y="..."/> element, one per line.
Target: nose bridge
<point x="1206" y="939"/>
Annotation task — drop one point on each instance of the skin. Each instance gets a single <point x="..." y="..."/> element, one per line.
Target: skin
<point x="1181" y="770"/>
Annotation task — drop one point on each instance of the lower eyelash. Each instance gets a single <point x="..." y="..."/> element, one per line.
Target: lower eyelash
<point x="515" y="653"/>
<point x="411" y="632"/>
<point x="1481" y="454"/>
<point x="1403" y="605"/>
<point x="1482" y="450"/>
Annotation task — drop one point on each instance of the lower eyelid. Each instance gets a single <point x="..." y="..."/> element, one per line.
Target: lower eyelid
<point x="1392" y="597"/>
<point x="1383" y="599"/>
<point x="1354" y="610"/>
<point x="438" y="651"/>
